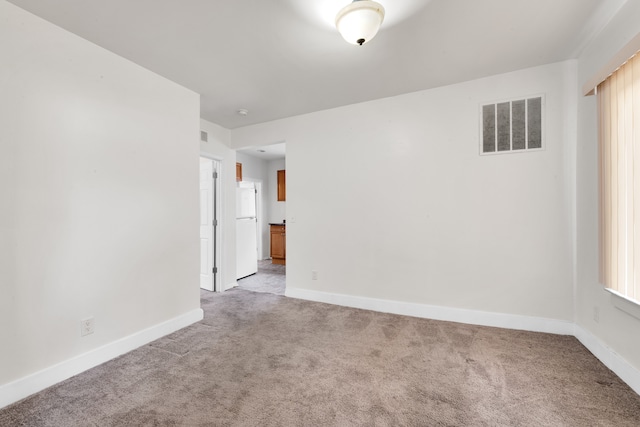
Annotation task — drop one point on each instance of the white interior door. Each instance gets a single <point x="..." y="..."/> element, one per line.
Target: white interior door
<point x="206" y="224"/>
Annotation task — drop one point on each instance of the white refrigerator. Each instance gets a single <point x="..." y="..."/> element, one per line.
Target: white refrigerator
<point x="246" y="232"/>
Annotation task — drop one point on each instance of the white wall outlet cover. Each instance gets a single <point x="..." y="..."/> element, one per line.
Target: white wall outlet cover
<point x="86" y="326"/>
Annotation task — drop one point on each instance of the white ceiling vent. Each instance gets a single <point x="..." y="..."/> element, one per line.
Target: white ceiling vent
<point x="204" y="137"/>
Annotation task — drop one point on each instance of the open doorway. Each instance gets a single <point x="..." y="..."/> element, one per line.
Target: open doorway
<point x="210" y="254"/>
<point x="247" y="221"/>
<point x="260" y="166"/>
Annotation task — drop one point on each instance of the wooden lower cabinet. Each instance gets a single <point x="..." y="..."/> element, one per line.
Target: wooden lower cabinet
<point x="278" y="244"/>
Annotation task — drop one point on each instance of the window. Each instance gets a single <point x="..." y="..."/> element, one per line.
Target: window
<point x="512" y="126"/>
<point x="619" y="179"/>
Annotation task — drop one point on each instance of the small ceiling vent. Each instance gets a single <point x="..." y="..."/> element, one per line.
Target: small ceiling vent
<point x="204" y="137"/>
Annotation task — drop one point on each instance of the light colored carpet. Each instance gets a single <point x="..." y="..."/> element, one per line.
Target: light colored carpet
<point x="270" y="278"/>
<point x="259" y="359"/>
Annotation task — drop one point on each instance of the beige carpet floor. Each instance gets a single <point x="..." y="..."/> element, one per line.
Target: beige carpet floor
<point x="260" y="359"/>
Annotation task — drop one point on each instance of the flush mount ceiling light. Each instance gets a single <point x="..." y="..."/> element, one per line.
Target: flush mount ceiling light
<point x="360" y="21"/>
<point x="243" y="112"/>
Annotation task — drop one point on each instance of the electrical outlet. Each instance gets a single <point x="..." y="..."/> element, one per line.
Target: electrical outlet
<point x="86" y="326"/>
<point x="314" y="275"/>
<point x="596" y="314"/>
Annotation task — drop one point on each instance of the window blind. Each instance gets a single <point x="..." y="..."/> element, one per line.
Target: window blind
<point x="619" y="180"/>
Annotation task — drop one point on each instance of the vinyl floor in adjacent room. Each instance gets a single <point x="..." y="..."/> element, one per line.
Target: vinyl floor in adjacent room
<point x="259" y="359"/>
<point x="270" y="278"/>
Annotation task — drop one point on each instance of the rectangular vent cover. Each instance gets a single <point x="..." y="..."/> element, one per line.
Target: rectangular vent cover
<point x="204" y="136"/>
<point x="512" y="126"/>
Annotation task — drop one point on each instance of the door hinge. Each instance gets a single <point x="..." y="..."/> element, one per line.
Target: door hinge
<point x="215" y="270"/>
<point x="215" y="175"/>
<point x="215" y="223"/>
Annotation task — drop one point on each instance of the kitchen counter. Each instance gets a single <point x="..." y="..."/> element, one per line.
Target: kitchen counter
<point x="277" y="223"/>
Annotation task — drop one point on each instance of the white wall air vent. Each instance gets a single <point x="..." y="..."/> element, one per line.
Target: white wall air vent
<point x="512" y="126"/>
<point x="204" y="137"/>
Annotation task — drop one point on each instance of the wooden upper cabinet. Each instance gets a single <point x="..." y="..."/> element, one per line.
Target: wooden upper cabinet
<point x="282" y="186"/>
<point x="238" y="171"/>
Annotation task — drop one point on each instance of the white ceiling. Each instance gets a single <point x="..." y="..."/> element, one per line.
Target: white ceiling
<point x="280" y="58"/>
<point x="267" y="152"/>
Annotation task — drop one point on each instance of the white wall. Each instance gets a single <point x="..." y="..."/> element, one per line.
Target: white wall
<point x="253" y="168"/>
<point x="277" y="210"/>
<point x="615" y="328"/>
<point x="391" y="199"/>
<point x="99" y="195"/>
<point x="218" y="147"/>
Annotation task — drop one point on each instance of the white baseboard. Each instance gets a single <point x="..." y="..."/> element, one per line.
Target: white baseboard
<point x="23" y="387"/>
<point x="627" y="372"/>
<point x="26" y="386"/>
<point x="473" y="317"/>
<point x="612" y="360"/>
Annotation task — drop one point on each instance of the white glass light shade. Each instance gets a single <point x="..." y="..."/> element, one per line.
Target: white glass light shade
<point x="360" y="21"/>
